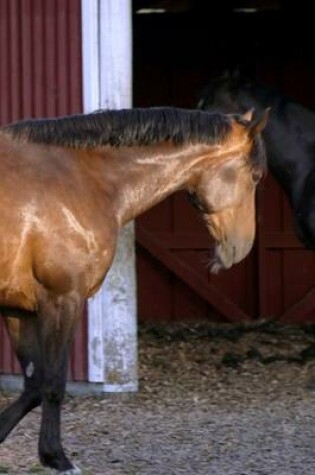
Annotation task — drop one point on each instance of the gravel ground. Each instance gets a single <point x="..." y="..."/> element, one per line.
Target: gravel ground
<point x="213" y="400"/>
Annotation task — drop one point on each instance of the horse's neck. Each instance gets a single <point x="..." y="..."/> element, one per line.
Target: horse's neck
<point x="147" y="175"/>
<point x="290" y="139"/>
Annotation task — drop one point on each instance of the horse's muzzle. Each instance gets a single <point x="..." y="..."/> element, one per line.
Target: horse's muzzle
<point x="229" y="253"/>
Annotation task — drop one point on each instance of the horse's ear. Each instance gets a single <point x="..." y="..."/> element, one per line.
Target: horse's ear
<point x="248" y="116"/>
<point x="258" y="122"/>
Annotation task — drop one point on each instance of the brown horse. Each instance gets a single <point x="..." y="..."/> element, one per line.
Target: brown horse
<point x="67" y="186"/>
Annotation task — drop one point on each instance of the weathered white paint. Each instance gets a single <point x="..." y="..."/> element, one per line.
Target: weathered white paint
<point x="107" y="83"/>
<point x="115" y="54"/>
<point x="91" y="55"/>
<point x="120" y="325"/>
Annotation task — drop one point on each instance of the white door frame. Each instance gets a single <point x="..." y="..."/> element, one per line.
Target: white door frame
<point x="107" y="84"/>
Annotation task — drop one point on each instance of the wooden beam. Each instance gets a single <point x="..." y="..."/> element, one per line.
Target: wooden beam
<point x="281" y="240"/>
<point x="169" y="240"/>
<point x="298" y="311"/>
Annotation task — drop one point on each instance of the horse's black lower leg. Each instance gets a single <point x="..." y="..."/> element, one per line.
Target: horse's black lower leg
<point x="24" y="337"/>
<point x="10" y="417"/>
<point x="58" y="317"/>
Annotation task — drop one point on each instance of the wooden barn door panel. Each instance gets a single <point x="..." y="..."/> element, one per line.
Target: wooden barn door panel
<point x="286" y="268"/>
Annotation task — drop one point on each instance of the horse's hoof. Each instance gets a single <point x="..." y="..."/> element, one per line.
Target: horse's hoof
<point x="72" y="471"/>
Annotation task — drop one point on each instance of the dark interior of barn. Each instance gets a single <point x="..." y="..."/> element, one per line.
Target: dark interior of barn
<point x="180" y="44"/>
<point x="178" y="47"/>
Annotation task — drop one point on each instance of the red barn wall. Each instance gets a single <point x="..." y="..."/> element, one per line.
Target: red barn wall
<point x="40" y="76"/>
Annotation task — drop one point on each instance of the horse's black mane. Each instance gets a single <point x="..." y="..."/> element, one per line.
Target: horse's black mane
<point x="127" y="127"/>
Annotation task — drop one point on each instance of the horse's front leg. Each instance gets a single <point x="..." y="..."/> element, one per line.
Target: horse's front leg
<point x="23" y="331"/>
<point x="58" y="316"/>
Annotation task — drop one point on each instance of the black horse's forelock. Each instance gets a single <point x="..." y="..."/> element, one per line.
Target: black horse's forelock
<point x="126" y="127"/>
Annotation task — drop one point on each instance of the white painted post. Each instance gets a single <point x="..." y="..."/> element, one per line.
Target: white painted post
<point x="91" y="101"/>
<point x="107" y="70"/>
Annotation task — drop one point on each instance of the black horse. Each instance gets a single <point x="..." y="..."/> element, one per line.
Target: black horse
<point x="289" y="138"/>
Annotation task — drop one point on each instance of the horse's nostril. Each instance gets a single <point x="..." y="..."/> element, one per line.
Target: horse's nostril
<point x="234" y="253"/>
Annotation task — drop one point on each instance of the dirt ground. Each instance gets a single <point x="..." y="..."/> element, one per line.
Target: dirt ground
<point x="213" y="400"/>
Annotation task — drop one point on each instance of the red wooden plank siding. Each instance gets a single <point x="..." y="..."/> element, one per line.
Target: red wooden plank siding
<point x="16" y="71"/>
<point x="4" y="55"/>
<point x="27" y="60"/>
<point x="38" y="69"/>
<point x="40" y="76"/>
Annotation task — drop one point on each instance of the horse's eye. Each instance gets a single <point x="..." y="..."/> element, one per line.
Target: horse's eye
<point x="195" y="201"/>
